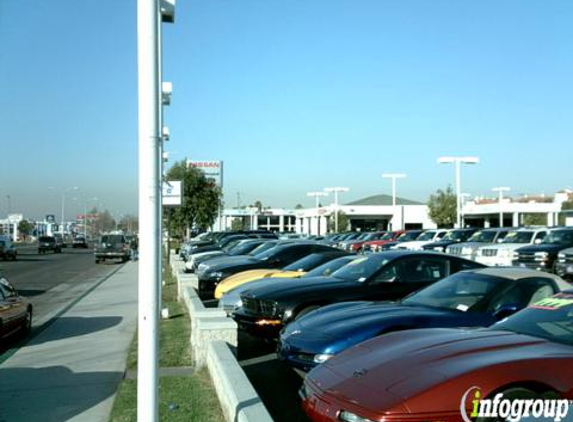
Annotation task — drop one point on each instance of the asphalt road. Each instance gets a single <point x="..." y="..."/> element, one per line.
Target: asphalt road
<point x="52" y="282"/>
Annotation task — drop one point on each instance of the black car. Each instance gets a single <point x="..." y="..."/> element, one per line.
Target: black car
<point x="210" y="274"/>
<point x="80" y="242"/>
<point x="451" y="237"/>
<point x="48" y="243"/>
<point x="7" y="249"/>
<point x="389" y="275"/>
<point x="543" y="256"/>
<point x="112" y="246"/>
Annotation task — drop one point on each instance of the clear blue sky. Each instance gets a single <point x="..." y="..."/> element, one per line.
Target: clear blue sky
<point x="293" y="95"/>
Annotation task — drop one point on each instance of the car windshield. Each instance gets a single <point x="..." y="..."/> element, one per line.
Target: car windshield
<point x="307" y="263"/>
<point x="244" y="248"/>
<point x="262" y="248"/>
<point x="550" y="318"/>
<point x="459" y="292"/>
<point x="231" y="245"/>
<point x="429" y="235"/>
<point x="454" y="235"/>
<point x="559" y="237"/>
<point x="373" y="236"/>
<point x="387" y="236"/>
<point x="361" y="268"/>
<point x="327" y="269"/>
<point x="405" y="237"/>
<point x="518" y="236"/>
<point x="269" y="253"/>
<point x="483" y="237"/>
<point x="112" y="239"/>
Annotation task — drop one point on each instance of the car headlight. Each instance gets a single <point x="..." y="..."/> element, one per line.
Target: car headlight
<point x="216" y="275"/>
<point x="351" y="417"/>
<point x="321" y="358"/>
<point x="466" y="250"/>
<point x="561" y="256"/>
<point x="515" y="255"/>
<point x="439" y="248"/>
<point x="541" y="256"/>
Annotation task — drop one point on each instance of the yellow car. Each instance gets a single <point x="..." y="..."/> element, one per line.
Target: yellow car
<point x="295" y="270"/>
<point x="247" y="276"/>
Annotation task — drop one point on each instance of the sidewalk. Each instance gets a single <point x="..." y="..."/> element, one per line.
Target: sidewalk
<point x="71" y="370"/>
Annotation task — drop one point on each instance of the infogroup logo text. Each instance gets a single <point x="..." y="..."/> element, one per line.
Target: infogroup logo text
<point x="512" y="410"/>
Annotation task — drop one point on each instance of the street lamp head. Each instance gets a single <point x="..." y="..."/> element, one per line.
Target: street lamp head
<point x="393" y="175"/>
<point x="465" y="160"/>
<point x="501" y="189"/>
<point x="336" y="189"/>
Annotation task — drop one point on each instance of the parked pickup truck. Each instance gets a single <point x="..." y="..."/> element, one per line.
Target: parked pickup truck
<point x="112" y="246"/>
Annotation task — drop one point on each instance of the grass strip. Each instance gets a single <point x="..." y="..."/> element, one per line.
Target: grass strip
<point x="181" y="399"/>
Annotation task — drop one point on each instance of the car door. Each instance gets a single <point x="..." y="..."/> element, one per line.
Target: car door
<point x="406" y="275"/>
<point x="13" y="308"/>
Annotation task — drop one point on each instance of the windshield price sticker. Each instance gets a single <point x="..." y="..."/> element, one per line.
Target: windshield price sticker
<point x="554" y="303"/>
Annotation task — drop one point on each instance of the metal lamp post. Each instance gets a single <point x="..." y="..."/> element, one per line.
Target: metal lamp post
<point x="501" y="190"/>
<point x="336" y="190"/>
<point x="317" y="195"/>
<point x="394" y="176"/>
<point x="458" y="162"/>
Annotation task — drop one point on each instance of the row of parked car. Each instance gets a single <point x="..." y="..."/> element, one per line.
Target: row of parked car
<point x="355" y="320"/>
<point x="539" y="248"/>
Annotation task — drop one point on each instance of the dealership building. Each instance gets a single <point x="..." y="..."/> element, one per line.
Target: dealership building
<point x="377" y="213"/>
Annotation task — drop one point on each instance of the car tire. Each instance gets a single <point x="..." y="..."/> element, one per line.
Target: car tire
<point x="305" y="311"/>
<point x="27" y="325"/>
<point x="97" y="261"/>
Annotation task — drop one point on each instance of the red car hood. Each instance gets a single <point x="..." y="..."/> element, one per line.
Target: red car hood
<point x="389" y="370"/>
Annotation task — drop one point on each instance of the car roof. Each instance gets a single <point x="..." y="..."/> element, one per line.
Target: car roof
<point x="515" y="273"/>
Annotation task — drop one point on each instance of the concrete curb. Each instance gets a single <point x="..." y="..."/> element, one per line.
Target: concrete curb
<point x="212" y="337"/>
<point x="239" y="400"/>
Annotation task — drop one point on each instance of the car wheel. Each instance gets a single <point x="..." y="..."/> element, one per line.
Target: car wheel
<point x="27" y="325"/>
<point x="306" y="311"/>
<point x="97" y="261"/>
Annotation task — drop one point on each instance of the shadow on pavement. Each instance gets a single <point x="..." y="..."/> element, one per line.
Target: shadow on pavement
<point x="30" y="293"/>
<point x="52" y="394"/>
<point x="258" y="360"/>
<point x="66" y="327"/>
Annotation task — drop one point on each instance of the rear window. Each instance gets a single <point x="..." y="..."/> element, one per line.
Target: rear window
<point x="46" y="239"/>
<point x="113" y="239"/>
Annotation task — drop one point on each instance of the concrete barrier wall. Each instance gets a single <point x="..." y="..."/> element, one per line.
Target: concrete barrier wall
<point x="239" y="400"/>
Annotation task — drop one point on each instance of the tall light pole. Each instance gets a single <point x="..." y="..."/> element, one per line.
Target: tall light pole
<point x="64" y="192"/>
<point x="458" y="161"/>
<point x="336" y="190"/>
<point x="501" y="190"/>
<point x="9" y="199"/>
<point x="393" y="176"/>
<point x="316" y="196"/>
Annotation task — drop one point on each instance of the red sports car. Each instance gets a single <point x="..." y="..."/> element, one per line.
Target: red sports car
<point x="451" y="374"/>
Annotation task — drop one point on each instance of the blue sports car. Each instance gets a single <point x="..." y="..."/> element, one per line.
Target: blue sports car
<point x="474" y="298"/>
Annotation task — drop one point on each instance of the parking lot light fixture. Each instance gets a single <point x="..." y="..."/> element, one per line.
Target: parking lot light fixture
<point x="501" y="190"/>
<point x="393" y="176"/>
<point x="317" y="195"/>
<point x="336" y="190"/>
<point x="458" y="161"/>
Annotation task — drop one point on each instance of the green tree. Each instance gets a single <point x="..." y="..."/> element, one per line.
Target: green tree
<point x="567" y="205"/>
<point x="443" y="207"/>
<point x="534" y="219"/>
<point x="25" y="227"/>
<point x="238" y="224"/>
<point x="343" y="222"/>
<point x="200" y="202"/>
<point x="298" y="207"/>
<point x="258" y="205"/>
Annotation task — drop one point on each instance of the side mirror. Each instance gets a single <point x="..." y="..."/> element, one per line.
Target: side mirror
<point x="505" y="310"/>
<point x="537" y="241"/>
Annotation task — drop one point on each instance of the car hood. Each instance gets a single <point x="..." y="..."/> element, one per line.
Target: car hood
<point x="502" y="246"/>
<point x="542" y="247"/>
<point x="285" y="288"/>
<point x="228" y="263"/>
<point x="474" y="245"/>
<point x="345" y="319"/>
<point x="410" y="362"/>
<point x="442" y="243"/>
